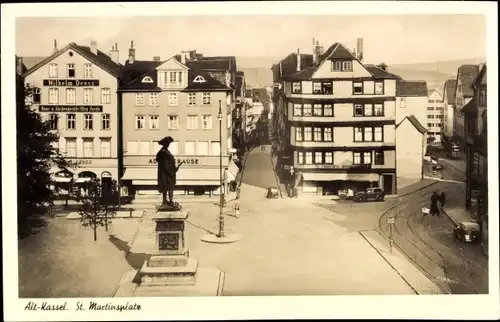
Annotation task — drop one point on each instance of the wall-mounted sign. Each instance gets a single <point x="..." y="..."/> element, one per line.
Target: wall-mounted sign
<point x="71" y="108"/>
<point x="186" y="161"/>
<point x="70" y="82"/>
<point x="81" y="162"/>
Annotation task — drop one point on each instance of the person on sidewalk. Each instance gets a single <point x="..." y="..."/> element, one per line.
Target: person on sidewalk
<point x="434" y="204"/>
<point x="442" y="199"/>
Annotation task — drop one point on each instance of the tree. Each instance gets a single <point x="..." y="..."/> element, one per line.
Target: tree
<point x="35" y="156"/>
<point x="382" y="66"/>
<point x="98" y="205"/>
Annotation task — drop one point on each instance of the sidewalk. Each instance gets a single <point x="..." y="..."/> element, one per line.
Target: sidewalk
<point x="419" y="185"/>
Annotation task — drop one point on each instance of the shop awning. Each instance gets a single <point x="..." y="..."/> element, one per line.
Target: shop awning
<point x="312" y="176"/>
<point x="83" y="179"/>
<point x="60" y="179"/>
<point x="232" y="171"/>
<point x="186" y="176"/>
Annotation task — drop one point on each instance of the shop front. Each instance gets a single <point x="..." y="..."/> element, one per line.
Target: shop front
<point x="329" y="183"/>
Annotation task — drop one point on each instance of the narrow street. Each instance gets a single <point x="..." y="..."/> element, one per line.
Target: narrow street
<point x="258" y="170"/>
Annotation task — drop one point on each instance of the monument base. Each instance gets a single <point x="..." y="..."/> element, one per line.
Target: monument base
<point x="168" y="270"/>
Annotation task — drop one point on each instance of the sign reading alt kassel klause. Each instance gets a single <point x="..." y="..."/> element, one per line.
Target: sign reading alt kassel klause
<point x="71" y="108"/>
<point x="70" y="82"/>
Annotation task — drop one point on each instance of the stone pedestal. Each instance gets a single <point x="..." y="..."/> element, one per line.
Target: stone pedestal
<point x="170" y="263"/>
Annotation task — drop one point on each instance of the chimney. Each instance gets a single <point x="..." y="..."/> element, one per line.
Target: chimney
<point x="298" y="60"/>
<point x="114" y="53"/>
<point x="19" y="65"/>
<point x="55" y="46"/>
<point x="183" y="57"/>
<point x="93" y="47"/>
<point x="131" y="53"/>
<point x="156" y="58"/>
<point x="360" y="49"/>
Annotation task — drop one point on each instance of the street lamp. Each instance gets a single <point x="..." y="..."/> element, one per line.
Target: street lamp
<point x="221" y="237"/>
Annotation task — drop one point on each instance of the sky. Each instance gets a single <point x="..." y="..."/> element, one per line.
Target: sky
<point x="393" y="39"/>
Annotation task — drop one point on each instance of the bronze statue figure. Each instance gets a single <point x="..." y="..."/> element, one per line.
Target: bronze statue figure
<point x="167" y="171"/>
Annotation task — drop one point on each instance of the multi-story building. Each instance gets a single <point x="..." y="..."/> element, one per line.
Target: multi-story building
<point x="339" y="120"/>
<point x="435" y="116"/>
<point x="463" y="94"/>
<point x="178" y="98"/>
<point x="448" y="105"/>
<point x="238" y="113"/>
<point x="76" y="89"/>
<point x="477" y="151"/>
<point x="256" y="115"/>
<point x="411" y="99"/>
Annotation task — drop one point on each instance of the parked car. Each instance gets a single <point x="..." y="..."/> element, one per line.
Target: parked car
<point x="376" y="194"/>
<point x="468" y="232"/>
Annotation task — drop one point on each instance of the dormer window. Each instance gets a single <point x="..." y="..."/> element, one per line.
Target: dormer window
<point x="199" y="79"/>
<point x="342" y="66"/>
<point x="147" y="79"/>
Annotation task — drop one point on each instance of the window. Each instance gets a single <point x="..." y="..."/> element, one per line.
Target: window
<point x="358" y="134"/>
<point x="70" y="95"/>
<point x="105" y="95"/>
<point x="368" y="135"/>
<point x="297" y="110"/>
<point x="215" y="148"/>
<point x="144" y="147"/>
<point x="71" y="70"/>
<point x="317" y="88"/>
<point x="88" y="122"/>
<point x="358" y="110"/>
<point x="379" y="134"/>
<point x="439" y="108"/>
<point x="327" y="110"/>
<point x="173" y="122"/>
<point x="482" y="97"/>
<point x="439" y="116"/>
<point x="88" y="148"/>
<point x="347" y="66"/>
<point x="430" y="101"/>
<point x="318" y="109"/>
<point x="318" y="134"/>
<point x="328" y="157"/>
<point x="379" y="157"/>
<point x="342" y="66"/>
<point x="53" y="70"/>
<point x="154" y="122"/>
<point x="300" y="157"/>
<point x="379" y="109"/>
<point x="132" y="147"/>
<point x="140" y="122"/>
<point x="105" y="148"/>
<point x="36" y="95"/>
<point x="190" y="148"/>
<point x="357" y="87"/>
<point x="318" y="157"/>
<point x="307" y="110"/>
<point x="174" y="147"/>
<point x="402" y="103"/>
<point x="54" y="124"/>
<point x="87" y="71"/>
<point x="430" y="108"/>
<point x="368" y="110"/>
<point x="53" y="95"/>
<point x="192" y="99"/>
<point x="147" y="79"/>
<point x="309" y="157"/>
<point x="296" y="87"/>
<point x="192" y="122"/>
<point x="206" y="122"/>
<point x="307" y="134"/>
<point x="199" y="79"/>
<point x="87" y="95"/>
<point x="336" y="66"/>
<point x="327" y="134"/>
<point x="206" y="98"/>
<point x="173" y="99"/>
<point x="379" y="88"/>
<point x="172" y="78"/>
<point x="105" y="121"/>
<point x="430" y="116"/>
<point x="71" y="147"/>
<point x="299" y="134"/>
<point x="139" y="99"/>
<point x="153" y="99"/>
<point x="202" y="148"/>
<point x="362" y="158"/>
<point x="430" y="124"/>
<point x="326" y="88"/>
<point x="71" y="121"/>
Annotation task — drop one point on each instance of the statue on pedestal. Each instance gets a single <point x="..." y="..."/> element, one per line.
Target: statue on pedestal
<point x="167" y="171"/>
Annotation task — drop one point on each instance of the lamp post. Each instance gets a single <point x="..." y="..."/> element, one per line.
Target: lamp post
<point x="220" y="237"/>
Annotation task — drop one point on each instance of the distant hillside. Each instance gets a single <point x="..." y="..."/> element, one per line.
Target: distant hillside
<point x="445" y="67"/>
<point x="258" y="76"/>
<point x="434" y="80"/>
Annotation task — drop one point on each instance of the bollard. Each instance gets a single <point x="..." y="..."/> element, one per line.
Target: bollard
<point x="130" y="212"/>
<point x="237" y="210"/>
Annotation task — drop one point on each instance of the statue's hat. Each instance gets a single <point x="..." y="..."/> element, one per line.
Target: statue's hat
<point x="166" y="140"/>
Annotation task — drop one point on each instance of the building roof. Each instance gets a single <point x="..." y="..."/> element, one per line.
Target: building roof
<point x="209" y="83"/>
<point x="379" y="73"/>
<point x="100" y="59"/>
<point x="449" y="88"/>
<point x="132" y="75"/>
<point x="470" y="108"/>
<point x="467" y="74"/>
<point x="413" y="120"/>
<point x="406" y="88"/>
<point x="481" y="77"/>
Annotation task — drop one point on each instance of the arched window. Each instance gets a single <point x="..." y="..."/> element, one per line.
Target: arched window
<point x="147" y="79"/>
<point x="199" y="79"/>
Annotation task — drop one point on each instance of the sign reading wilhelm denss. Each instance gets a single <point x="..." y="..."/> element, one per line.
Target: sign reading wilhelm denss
<point x="71" y="108"/>
<point x="71" y="82"/>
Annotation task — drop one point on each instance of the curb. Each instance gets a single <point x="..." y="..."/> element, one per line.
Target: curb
<point x="421" y="188"/>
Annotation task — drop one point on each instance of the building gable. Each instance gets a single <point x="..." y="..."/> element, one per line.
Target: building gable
<point x="339" y="54"/>
<point x="172" y="64"/>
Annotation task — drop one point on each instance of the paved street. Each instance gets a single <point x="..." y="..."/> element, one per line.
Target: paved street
<point x="258" y="169"/>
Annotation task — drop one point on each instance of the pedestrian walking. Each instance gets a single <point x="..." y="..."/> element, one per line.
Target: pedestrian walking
<point x="442" y="199"/>
<point x="434" y="206"/>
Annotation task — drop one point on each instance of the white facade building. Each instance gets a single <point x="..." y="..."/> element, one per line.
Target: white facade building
<point x="435" y="115"/>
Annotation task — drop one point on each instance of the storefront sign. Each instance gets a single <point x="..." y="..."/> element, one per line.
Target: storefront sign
<point x="81" y="162"/>
<point x="70" y="82"/>
<point x="71" y="108"/>
<point x="178" y="161"/>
